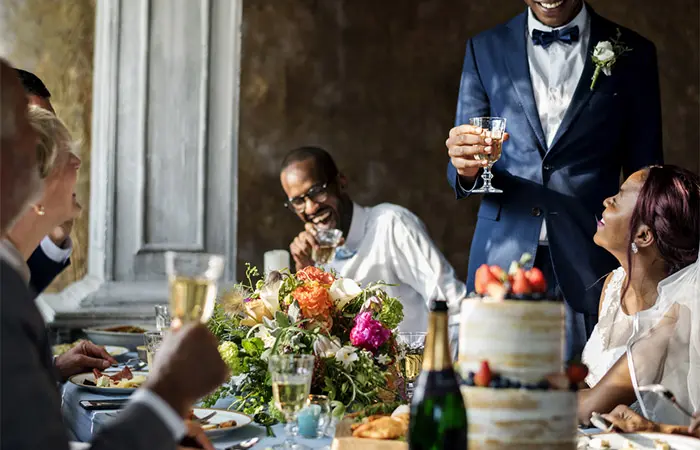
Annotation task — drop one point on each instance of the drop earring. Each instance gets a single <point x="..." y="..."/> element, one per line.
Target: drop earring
<point x="635" y="249"/>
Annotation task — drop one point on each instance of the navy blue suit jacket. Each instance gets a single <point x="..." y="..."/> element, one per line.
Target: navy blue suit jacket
<point x="43" y="270"/>
<point x="614" y="127"/>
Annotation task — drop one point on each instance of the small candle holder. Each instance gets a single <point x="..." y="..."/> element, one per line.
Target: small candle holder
<point x="313" y="420"/>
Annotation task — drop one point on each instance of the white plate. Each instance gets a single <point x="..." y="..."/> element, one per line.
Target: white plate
<point x="644" y="441"/>
<point x="78" y="380"/>
<point x="129" y="340"/>
<point x="116" y="350"/>
<point x="222" y="415"/>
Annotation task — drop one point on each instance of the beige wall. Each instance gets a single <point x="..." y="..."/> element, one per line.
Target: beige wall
<point x="54" y="39"/>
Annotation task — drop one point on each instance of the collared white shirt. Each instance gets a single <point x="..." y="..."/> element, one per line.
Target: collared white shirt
<point x="389" y="243"/>
<point x="555" y="72"/>
<point x="174" y="423"/>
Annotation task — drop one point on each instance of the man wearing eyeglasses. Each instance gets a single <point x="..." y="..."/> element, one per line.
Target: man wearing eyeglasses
<point x="384" y="242"/>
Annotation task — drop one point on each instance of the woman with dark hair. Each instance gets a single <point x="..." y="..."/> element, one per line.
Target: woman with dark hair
<point x="652" y="226"/>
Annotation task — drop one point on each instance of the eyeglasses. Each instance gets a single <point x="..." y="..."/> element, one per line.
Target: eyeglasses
<point x="316" y="194"/>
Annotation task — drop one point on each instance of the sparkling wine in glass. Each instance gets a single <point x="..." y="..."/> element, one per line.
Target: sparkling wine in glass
<point x="411" y="346"/>
<point x="328" y="241"/>
<point x="495" y="128"/>
<point x="192" y="278"/>
<point x="291" y="384"/>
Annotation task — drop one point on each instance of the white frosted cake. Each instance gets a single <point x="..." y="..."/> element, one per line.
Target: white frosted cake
<point x="509" y="353"/>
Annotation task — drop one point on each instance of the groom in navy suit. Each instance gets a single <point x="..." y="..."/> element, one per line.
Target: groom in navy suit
<point x="568" y="143"/>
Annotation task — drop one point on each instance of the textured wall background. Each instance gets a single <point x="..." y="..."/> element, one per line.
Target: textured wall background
<point x="375" y="82"/>
<point x="54" y="39"/>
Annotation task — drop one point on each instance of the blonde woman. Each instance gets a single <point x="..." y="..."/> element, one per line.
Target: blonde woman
<point x="58" y="168"/>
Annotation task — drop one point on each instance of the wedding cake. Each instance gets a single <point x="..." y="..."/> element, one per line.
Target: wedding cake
<point x="511" y="360"/>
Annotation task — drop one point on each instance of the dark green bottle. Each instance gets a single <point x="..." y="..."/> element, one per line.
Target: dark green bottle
<point x="438" y="413"/>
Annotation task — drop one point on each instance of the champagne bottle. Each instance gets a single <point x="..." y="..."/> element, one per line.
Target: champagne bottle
<point x="438" y="413"/>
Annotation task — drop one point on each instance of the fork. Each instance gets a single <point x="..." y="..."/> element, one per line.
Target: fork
<point x="660" y="389"/>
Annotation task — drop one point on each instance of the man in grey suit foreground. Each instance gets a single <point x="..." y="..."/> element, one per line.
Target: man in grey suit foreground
<point x="188" y="365"/>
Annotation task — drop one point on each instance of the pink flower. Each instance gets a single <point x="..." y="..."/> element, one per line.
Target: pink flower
<point x="368" y="333"/>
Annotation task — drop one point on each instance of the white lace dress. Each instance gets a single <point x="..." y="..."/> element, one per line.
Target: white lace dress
<point x="609" y="338"/>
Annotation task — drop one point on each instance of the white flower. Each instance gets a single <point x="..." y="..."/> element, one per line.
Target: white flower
<point x="326" y="347"/>
<point x="267" y="338"/>
<point x="372" y="304"/>
<point x="269" y="294"/>
<point x="346" y="356"/>
<point x="383" y="359"/>
<point x="604" y="52"/>
<point x="343" y="290"/>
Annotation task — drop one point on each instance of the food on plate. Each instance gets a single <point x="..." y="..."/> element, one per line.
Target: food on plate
<point x="219" y="426"/>
<point x="60" y="349"/>
<point x="598" y="443"/>
<point x="383" y="427"/>
<point x="206" y="426"/>
<point x="661" y="445"/>
<point x="124" y="379"/>
<point x="125" y="329"/>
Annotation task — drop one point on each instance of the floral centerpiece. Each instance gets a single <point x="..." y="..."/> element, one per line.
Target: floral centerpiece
<point x="349" y="329"/>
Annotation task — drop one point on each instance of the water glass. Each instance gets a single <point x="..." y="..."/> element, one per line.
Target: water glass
<point x="153" y="340"/>
<point x="495" y="128"/>
<point x="291" y="383"/>
<point x="328" y="241"/>
<point x="162" y="317"/>
<point x="192" y="278"/>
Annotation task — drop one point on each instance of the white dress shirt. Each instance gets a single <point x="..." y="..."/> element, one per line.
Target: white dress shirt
<point x="12" y="256"/>
<point x="56" y="253"/>
<point x="389" y="243"/>
<point x="555" y="72"/>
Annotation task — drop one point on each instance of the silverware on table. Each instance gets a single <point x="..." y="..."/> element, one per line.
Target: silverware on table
<point x="244" y="445"/>
<point x="204" y="420"/>
<point x="660" y="389"/>
<point x="133" y="364"/>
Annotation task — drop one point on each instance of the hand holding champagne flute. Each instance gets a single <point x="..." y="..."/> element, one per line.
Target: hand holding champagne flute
<point x="192" y="279"/>
<point x="467" y="144"/>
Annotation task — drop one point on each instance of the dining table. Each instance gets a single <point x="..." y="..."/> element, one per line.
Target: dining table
<point x="83" y="424"/>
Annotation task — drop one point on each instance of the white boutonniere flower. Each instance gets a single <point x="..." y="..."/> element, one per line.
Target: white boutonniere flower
<point x="605" y="55"/>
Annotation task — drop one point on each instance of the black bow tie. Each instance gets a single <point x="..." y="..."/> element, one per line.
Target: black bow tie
<point x="545" y="38"/>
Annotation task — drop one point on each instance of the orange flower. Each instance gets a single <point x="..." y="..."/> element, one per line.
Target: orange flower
<point x="313" y="299"/>
<point x="311" y="273"/>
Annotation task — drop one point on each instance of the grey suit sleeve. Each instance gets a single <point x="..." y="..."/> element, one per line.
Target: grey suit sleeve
<point x="137" y="428"/>
<point x="31" y="405"/>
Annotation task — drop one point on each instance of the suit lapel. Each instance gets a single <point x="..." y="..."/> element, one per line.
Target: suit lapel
<point x="583" y="91"/>
<point x="519" y="71"/>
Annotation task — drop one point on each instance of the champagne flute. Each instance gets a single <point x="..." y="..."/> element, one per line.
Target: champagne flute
<point x="493" y="127"/>
<point x="411" y="346"/>
<point x="291" y="384"/>
<point x="192" y="279"/>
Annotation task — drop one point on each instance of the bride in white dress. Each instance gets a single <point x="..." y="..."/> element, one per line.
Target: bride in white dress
<point x="652" y="226"/>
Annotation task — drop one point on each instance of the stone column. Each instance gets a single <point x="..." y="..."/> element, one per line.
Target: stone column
<point x="164" y="153"/>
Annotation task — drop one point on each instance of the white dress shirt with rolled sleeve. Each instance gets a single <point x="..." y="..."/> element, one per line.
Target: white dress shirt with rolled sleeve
<point x="389" y="243"/>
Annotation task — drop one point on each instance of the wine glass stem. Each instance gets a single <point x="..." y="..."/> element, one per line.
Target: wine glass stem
<point x="289" y="440"/>
<point x="487" y="176"/>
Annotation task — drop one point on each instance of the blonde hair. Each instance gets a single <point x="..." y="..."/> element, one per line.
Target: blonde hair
<point x="51" y="135"/>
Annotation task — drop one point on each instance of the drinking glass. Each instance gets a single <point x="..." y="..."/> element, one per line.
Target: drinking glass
<point x="192" y="278"/>
<point x="291" y="383"/>
<point x="152" y="339"/>
<point x="411" y="346"/>
<point x="162" y="317"/>
<point x="327" y="240"/>
<point x="495" y="128"/>
<point x="313" y="420"/>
